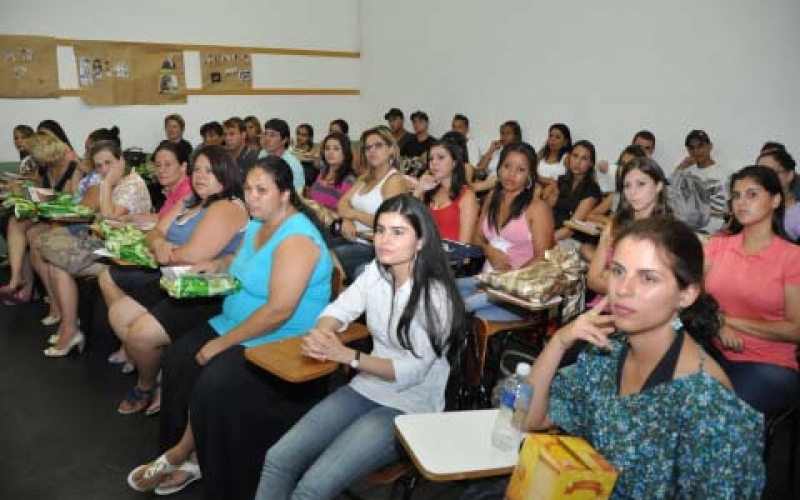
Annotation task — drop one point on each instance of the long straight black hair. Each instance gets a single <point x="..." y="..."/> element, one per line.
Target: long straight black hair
<point x="432" y="282"/>
<point x="769" y="180"/>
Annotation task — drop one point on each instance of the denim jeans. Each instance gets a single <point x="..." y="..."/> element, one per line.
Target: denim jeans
<point x="477" y="302"/>
<point x="354" y="256"/>
<point x="343" y="438"/>
<point x="768" y="388"/>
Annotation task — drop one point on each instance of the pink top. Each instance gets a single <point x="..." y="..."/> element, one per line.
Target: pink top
<point x="514" y="239"/>
<point x="184" y="188"/>
<point x="328" y="195"/>
<point x="448" y="219"/>
<point x="752" y="287"/>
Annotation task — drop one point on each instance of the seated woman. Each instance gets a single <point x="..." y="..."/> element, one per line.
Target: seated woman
<point x="576" y="193"/>
<point x="54" y="171"/>
<point x="21" y="133"/>
<point x="516" y="228"/>
<point x="307" y="152"/>
<point x="206" y="225"/>
<point x="605" y="210"/>
<point x="122" y="192"/>
<point x="553" y="153"/>
<point x="336" y="173"/>
<point x="86" y="194"/>
<point x="357" y="207"/>
<point x="445" y="191"/>
<point x="784" y="165"/>
<point x="213" y="401"/>
<point x="414" y="316"/>
<point x="650" y="400"/>
<point x="644" y="194"/>
<point x="254" y="131"/>
<point x="753" y="271"/>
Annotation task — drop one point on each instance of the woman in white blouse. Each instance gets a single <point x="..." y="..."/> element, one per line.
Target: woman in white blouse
<point x="414" y="314"/>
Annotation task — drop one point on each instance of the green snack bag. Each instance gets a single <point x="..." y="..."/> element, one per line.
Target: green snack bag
<point x="196" y="285"/>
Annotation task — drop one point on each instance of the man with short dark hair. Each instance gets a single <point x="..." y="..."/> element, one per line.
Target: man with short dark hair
<point x="646" y="140"/>
<point x="275" y="142"/>
<point x="212" y="133"/>
<point x="715" y="177"/>
<point x="461" y="125"/>
<point x="236" y="144"/>
<point x="396" y="121"/>
<point x="418" y="146"/>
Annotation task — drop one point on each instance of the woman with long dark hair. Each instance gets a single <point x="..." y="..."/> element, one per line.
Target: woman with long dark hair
<point x="414" y="315"/>
<point x="753" y="270"/>
<point x="336" y="173"/>
<point x="551" y="156"/>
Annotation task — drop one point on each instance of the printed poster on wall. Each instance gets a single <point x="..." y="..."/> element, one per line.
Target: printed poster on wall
<point x="226" y="70"/>
<point x="114" y="74"/>
<point x="28" y="67"/>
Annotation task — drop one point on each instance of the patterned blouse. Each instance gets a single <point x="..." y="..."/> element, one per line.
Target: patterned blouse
<point x="131" y="192"/>
<point x="689" y="437"/>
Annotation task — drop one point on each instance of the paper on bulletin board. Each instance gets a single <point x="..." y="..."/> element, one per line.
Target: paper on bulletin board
<point x="28" y="66"/>
<point x="224" y="69"/>
<point x="114" y="74"/>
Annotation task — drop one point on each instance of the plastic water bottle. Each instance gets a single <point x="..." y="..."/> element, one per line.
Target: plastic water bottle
<point x="521" y="405"/>
<point x="505" y="436"/>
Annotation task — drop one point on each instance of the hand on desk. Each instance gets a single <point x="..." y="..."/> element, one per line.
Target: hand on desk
<point x="324" y="345"/>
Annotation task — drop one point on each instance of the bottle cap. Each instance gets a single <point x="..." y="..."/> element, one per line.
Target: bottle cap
<point x="523" y="369"/>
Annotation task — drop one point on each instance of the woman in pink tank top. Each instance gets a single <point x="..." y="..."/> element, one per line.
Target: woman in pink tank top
<point x="516" y="227"/>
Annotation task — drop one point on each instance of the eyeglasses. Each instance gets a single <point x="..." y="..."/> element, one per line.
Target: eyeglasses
<point x="377" y="145"/>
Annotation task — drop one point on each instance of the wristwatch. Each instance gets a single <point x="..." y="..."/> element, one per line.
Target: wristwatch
<point x="356" y="362"/>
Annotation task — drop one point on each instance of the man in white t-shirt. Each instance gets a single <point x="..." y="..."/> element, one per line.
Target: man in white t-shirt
<point x="607" y="172"/>
<point x="460" y="124"/>
<point x="716" y="177"/>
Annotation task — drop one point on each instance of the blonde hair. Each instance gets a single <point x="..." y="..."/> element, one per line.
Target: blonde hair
<point x="385" y="134"/>
<point x="45" y="148"/>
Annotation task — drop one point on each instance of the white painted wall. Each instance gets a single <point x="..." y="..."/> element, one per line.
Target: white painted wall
<point x="309" y="24"/>
<point x="607" y="69"/>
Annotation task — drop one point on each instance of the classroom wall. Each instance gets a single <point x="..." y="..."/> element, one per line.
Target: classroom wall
<point x="304" y="24"/>
<point x="607" y="69"/>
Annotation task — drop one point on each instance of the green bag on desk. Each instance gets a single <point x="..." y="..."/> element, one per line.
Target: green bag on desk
<point x="128" y="244"/>
<point x="200" y="285"/>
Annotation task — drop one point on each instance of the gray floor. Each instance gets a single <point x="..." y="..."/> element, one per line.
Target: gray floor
<point x="60" y="434"/>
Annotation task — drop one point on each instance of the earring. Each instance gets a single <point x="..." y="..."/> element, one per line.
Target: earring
<point x="530" y="183"/>
<point x="676" y="323"/>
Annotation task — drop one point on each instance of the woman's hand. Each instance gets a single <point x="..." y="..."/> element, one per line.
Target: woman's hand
<point x="495" y="146"/>
<point x="499" y="260"/>
<point x="427" y="182"/>
<point x="348" y="229"/>
<point x="324" y="345"/>
<point x="115" y="174"/>
<point x="731" y="339"/>
<point x="592" y="326"/>
<point x="208" y="267"/>
<point x="211" y="349"/>
<point x="163" y="251"/>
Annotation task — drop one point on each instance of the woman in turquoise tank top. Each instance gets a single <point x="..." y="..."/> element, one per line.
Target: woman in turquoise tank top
<point x="285" y="269"/>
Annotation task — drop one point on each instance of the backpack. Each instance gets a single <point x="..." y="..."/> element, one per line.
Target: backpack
<point x="689" y="199"/>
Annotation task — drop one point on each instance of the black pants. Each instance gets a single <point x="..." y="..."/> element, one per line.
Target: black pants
<point x="237" y="412"/>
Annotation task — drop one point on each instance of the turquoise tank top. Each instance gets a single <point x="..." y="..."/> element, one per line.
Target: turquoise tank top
<point x="254" y="268"/>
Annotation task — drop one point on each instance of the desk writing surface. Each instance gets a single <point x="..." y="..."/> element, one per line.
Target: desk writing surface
<point x="454" y="445"/>
<point x="285" y="358"/>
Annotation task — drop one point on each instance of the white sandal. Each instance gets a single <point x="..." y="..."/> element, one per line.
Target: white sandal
<point x="159" y="466"/>
<point x="193" y="474"/>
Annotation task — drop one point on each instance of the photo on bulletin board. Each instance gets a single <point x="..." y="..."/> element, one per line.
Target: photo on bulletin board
<point x="28" y="66"/>
<point x="113" y="74"/>
<point x="226" y="69"/>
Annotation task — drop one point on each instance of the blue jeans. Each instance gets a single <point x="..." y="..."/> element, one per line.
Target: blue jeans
<point x="768" y="388"/>
<point x="354" y="256"/>
<point x="477" y="302"/>
<point x="343" y="438"/>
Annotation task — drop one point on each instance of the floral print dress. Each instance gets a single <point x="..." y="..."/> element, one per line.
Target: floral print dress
<point x="688" y="438"/>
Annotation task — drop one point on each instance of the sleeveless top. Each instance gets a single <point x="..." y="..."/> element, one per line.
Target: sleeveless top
<point x="253" y="267"/>
<point x="448" y="219"/>
<point x="370" y="201"/>
<point x="65" y="177"/>
<point x="514" y="239"/>
<point x="180" y="231"/>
